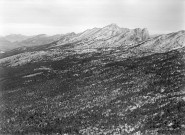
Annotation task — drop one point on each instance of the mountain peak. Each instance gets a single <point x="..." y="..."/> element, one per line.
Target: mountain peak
<point x="41" y="35"/>
<point x="112" y="25"/>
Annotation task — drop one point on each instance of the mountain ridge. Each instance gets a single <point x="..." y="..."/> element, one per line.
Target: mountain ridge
<point x="135" y="42"/>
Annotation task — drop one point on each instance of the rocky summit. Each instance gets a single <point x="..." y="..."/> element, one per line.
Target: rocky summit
<point x="103" y="81"/>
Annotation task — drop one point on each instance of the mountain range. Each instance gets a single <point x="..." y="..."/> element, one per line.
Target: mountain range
<point x="108" y="80"/>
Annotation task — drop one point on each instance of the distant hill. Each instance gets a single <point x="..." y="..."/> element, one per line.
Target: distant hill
<point x="16" y="37"/>
<point x="6" y="45"/>
<point x="15" y="41"/>
<point x="39" y="40"/>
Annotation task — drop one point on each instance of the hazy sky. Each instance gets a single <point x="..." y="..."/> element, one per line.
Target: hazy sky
<point x="32" y="17"/>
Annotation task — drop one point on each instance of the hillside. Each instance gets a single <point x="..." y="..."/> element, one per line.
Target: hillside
<point x="108" y="80"/>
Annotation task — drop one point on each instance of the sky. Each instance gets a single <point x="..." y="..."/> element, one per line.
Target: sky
<point x="31" y="17"/>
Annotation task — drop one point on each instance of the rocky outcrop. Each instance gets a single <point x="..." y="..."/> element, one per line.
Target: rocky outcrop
<point x="145" y="34"/>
